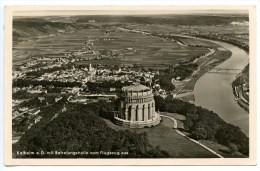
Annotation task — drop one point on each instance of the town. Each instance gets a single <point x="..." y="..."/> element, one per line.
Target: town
<point x="39" y="83"/>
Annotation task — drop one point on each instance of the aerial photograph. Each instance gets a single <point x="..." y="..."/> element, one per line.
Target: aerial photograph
<point x="131" y="85"/>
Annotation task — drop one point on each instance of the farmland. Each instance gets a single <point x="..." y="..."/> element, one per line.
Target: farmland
<point x="56" y="36"/>
<point x="143" y="48"/>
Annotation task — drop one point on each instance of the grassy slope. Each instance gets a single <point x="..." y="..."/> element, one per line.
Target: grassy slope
<point x="169" y="140"/>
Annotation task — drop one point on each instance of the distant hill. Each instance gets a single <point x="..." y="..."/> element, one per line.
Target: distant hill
<point x="24" y="28"/>
<point x="167" y="19"/>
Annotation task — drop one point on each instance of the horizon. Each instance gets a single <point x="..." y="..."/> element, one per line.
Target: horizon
<point x="70" y="13"/>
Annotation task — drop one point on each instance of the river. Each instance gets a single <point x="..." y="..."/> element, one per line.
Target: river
<point x="214" y="91"/>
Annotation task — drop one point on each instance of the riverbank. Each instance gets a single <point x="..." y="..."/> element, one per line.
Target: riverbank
<point x="214" y="90"/>
<point x="239" y="98"/>
<point x="205" y="124"/>
<point x="185" y="92"/>
<point x="219" y="150"/>
<point x="216" y="55"/>
<point x="241" y="88"/>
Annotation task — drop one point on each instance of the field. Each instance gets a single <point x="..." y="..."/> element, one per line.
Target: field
<point x="144" y="49"/>
<point x="169" y="140"/>
<point x="182" y="29"/>
<point x="52" y="36"/>
<point x="196" y="42"/>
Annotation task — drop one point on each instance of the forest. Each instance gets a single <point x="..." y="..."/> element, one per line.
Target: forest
<point x="203" y="124"/>
<point x="165" y="76"/>
<point x="185" y="70"/>
<point x="25" y="83"/>
<point x="80" y="128"/>
<point x="48" y="70"/>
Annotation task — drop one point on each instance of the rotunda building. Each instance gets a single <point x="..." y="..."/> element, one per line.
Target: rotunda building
<point x="137" y="107"/>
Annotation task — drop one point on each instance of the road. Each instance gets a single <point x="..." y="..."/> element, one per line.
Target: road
<point x="175" y="126"/>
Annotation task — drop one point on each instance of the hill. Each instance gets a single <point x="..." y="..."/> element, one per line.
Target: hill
<point x="80" y="129"/>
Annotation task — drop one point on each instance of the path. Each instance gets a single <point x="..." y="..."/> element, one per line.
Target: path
<point x="179" y="132"/>
<point x="184" y="94"/>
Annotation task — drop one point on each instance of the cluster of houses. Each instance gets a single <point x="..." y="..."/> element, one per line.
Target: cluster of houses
<point x="25" y="111"/>
<point x="39" y="63"/>
<point x="30" y="115"/>
<point x="85" y="98"/>
<point x="23" y="118"/>
<point x="36" y="89"/>
<point x="69" y="75"/>
<point x="27" y="116"/>
<point x="123" y="74"/>
<point x="92" y="74"/>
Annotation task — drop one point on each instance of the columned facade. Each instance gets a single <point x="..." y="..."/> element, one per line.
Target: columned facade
<point x="137" y="108"/>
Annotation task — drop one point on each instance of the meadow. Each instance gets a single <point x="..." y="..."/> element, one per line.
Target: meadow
<point x="168" y="139"/>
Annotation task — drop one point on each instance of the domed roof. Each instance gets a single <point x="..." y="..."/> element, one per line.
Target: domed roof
<point x="135" y="88"/>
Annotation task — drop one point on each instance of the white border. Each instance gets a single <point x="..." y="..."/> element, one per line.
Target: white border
<point x="149" y="3"/>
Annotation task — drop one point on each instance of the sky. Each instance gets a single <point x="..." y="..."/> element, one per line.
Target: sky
<point x="128" y="11"/>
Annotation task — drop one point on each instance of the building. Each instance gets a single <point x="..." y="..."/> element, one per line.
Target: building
<point x="90" y="68"/>
<point x="91" y="71"/>
<point x="137" y="109"/>
<point x="41" y="99"/>
<point x="57" y="99"/>
<point x="37" y="89"/>
<point x="73" y="90"/>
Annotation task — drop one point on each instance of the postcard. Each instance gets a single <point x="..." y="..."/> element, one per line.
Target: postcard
<point x="130" y="85"/>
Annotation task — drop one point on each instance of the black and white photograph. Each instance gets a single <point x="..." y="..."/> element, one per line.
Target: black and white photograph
<point x="131" y="83"/>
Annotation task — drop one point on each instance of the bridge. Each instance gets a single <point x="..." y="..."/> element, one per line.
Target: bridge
<point x="225" y="70"/>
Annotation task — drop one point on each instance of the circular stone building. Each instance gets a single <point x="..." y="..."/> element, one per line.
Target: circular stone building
<point x="137" y="109"/>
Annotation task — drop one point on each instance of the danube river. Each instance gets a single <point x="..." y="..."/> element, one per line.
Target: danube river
<point x="214" y="91"/>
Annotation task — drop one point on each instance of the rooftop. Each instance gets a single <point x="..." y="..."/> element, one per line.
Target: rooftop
<point x="135" y="88"/>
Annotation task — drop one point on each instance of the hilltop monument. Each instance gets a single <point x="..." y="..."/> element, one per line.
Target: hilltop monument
<point x="137" y="108"/>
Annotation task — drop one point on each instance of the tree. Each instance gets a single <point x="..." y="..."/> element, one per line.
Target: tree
<point x="204" y="124"/>
<point x="81" y="128"/>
